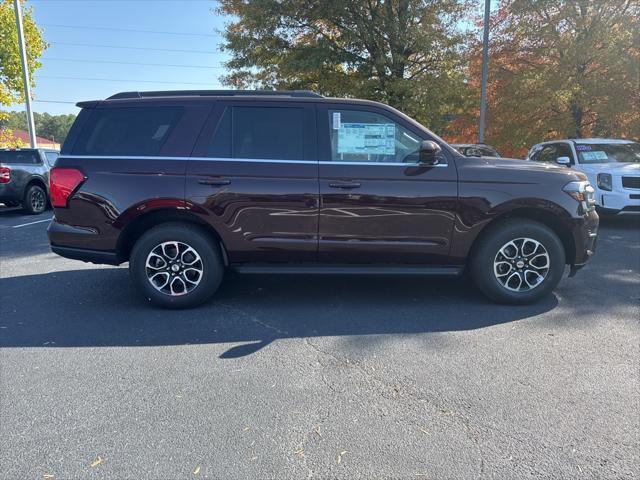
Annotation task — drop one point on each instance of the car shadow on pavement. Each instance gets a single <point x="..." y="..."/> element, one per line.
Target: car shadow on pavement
<point x="98" y="307"/>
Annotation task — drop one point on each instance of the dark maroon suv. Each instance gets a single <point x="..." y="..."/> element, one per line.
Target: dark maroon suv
<point x="186" y="185"/>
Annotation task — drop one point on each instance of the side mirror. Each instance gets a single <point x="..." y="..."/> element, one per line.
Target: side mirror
<point x="566" y="161"/>
<point x="428" y="152"/>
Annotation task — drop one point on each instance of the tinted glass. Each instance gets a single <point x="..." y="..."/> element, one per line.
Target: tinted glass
<point x="547" y="154"/>
<point x="360" y="136"/>
<point x="28" y="157"/>
<point x="478" y="152"/>
<point x="127" y="131"/>
<point x="51" y="157"/>
<point x="272" y="133"/>
<point x="604" y="153"/>
<point x="563" y="150"/>
<point x="220" y="145"/>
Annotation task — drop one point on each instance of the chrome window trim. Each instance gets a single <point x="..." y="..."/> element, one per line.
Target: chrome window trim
<point x="256" y="160"/>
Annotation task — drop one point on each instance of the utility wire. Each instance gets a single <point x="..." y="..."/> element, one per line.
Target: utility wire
<point x="128" y="63"/>
<point x="82" y="27"/>
<point x="120" y="80"/>
<point x="131" y="48"/>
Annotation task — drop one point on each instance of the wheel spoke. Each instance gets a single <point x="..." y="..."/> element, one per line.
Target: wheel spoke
<point x="509" y="251"/>
<point x="172" y="248"/>
<point x="534" y="262"/>
<point x="189" y="256"/>
<point x="153" y="278"/>
<point x="153" y="261"/>
<point x="509" y="282"/>
<point x="195" y="274"/>
<point x="532" y="273"/>
<point x="182" y="287"/>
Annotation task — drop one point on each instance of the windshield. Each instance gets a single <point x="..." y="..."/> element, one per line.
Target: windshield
<point x="474" y="151"/>
<point x="605" y="153"/>
<point x="10" y="157"/>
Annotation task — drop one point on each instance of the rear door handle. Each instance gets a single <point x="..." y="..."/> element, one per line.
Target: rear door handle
<point x="345" y="185"/>
<point x="216" y="182"/>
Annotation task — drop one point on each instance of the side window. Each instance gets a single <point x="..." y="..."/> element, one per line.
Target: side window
<point x="268" y="133"/>
<point x="220" y="145"/>
<point x="51" y="158"/>
<point x="547" y="154"/>
<point x="534" y="153"/>
<point x="564" y="150"/>
<point x="127" y="131"/>
<point x="360" y="136"/>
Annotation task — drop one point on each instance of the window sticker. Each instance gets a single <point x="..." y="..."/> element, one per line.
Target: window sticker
<point x="367" y="138"/>
<point x="582" y="148"/>
<point x="336" y="120"/>
<point x="594" y="155"/>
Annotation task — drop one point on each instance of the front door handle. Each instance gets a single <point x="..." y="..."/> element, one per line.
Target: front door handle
<point x="345" y="185"/>
<point x="216" y="182"/>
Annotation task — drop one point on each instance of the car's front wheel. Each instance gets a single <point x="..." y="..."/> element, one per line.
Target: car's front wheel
<point x="518" y="261"/>
<point x="35" y="200"/>
<point x="176" y="265"/>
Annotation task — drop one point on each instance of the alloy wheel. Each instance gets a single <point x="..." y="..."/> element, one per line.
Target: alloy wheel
<point x="174" y="268"/>
<point x="521" y="264"/>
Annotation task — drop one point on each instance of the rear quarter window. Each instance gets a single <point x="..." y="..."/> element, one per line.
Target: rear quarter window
<point x="18" y="157"/>
<point x="127" y="131"/>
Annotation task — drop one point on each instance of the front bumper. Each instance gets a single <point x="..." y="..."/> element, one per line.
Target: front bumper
<point x="585" y="237"/>
<point x="617" y="200"/>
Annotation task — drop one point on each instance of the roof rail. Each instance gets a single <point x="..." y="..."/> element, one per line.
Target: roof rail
<point x="216" y="93"/>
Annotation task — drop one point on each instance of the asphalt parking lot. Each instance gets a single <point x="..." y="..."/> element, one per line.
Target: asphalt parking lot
<point x="318" y="377"/>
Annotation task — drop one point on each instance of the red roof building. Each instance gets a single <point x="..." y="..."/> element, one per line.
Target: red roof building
<point x="23" y="137"/>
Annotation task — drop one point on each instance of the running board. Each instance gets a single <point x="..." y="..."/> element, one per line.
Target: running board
<point x="322" y="269"/>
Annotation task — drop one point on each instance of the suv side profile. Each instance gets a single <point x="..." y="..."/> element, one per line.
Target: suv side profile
<point x="24" y="177"/>
<point x="185" y="185"/>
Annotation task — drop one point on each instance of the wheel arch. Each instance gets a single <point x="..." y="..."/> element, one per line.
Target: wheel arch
<point x="540" y="215"/>
<point x="36" y="181"/>
<point x="137" y="227"/>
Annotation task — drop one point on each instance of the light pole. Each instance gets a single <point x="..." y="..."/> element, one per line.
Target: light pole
<point x="485" y="71"/>
<point x="25" y="74"/>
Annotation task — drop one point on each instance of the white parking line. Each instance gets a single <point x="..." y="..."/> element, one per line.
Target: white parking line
<point x="32" y="223"/>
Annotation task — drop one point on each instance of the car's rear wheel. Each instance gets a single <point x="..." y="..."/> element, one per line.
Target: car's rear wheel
<point x="518" y="261"/>
<point x="176" y="265"/>
<point x="35" y="200"/>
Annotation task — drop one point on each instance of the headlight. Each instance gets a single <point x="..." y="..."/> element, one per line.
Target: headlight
<point x="605" y="181"/>
<point x="582" y="192"/>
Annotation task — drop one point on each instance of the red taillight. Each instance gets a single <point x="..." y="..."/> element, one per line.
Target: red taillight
<point x="5" y="174"/>
<point x="62" y="182"/>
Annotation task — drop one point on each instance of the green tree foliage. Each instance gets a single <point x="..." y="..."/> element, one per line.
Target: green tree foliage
<point x="407" y="53"/>
<point x="53" y="127"/>
<point x="11" y="84"/>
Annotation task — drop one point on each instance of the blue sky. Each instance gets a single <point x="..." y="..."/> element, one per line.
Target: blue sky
<point x="72" y="53"/>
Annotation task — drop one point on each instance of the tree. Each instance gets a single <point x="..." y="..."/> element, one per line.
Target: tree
<point x="11" y="84"/>
<point x="558" y="69"/>
<point x="53" y="127"/>
<point x="407" y="53"/>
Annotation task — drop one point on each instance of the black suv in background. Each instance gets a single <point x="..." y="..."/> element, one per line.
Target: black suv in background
<point x="184" y="185"/>
<point x="24" y="177"/>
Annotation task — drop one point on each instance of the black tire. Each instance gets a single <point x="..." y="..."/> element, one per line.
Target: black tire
<point x="35" y="200"/>
<point x="487" y="251"/>
<point x="212" y="268"/>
